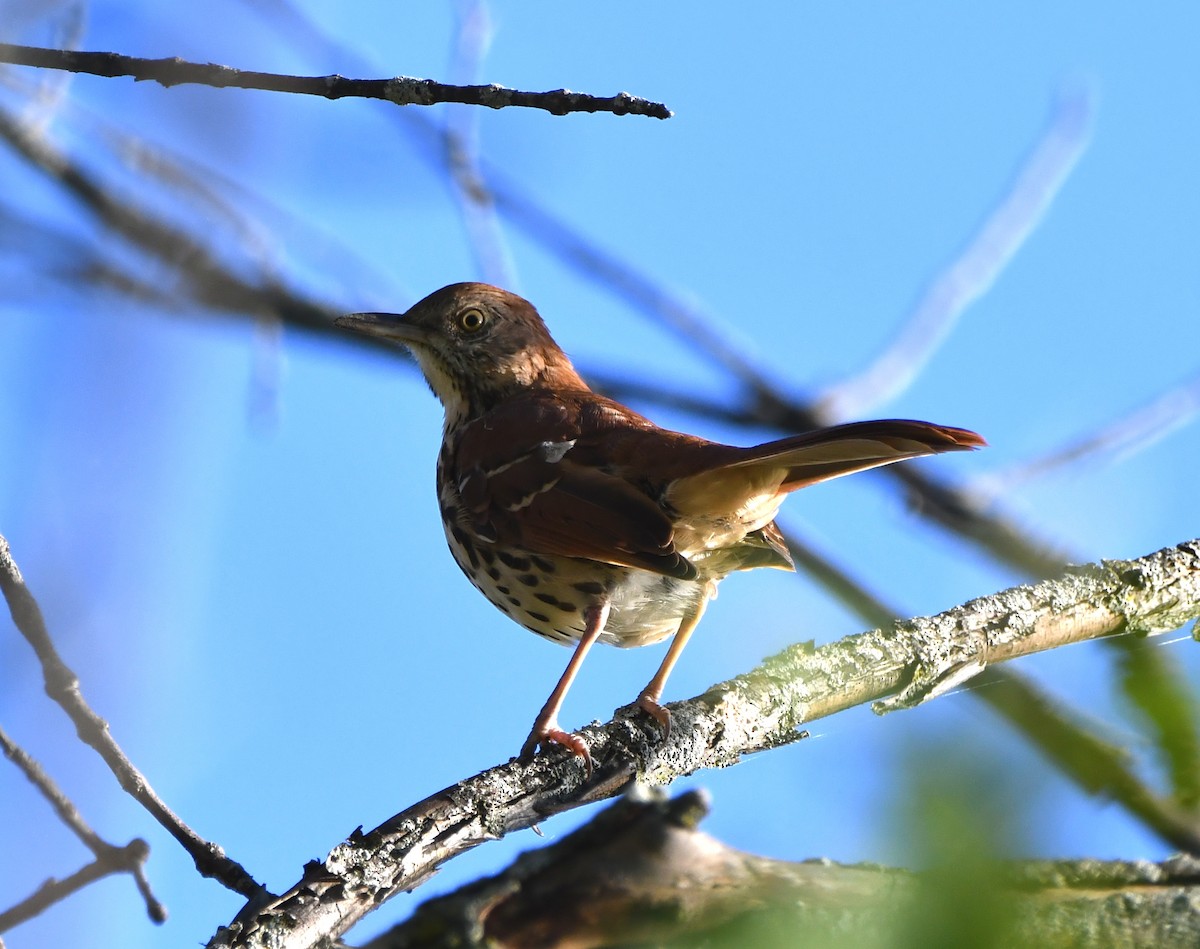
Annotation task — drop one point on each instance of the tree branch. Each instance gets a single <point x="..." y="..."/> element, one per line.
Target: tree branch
<point x="641" y="872"/>
<point x="62" y="685"/>
<point x="905" y="663"/>
<point x="401" y="90"/>
<point x="110" y="858"/>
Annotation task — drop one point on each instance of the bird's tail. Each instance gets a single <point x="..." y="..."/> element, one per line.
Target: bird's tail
<point x="756" y="479"/>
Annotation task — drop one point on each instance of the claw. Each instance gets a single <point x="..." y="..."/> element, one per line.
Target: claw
<point x="649" y="704"/>
<point x="550" y="734"/>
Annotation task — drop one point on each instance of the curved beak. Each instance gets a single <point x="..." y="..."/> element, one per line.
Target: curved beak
<point x="390" y="326"/>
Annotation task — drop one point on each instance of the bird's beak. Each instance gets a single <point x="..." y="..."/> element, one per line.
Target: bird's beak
<point x="391" y="326"/>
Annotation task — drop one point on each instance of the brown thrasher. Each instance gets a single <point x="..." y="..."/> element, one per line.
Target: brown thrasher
<point x="581" y="519"/>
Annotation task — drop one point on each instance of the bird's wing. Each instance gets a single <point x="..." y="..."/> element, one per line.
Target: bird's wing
<point x="523" y="483"/>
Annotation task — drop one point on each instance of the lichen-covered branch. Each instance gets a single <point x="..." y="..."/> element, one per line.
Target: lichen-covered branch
<point x="401" y="90"/>
<point x="896" y="667"/>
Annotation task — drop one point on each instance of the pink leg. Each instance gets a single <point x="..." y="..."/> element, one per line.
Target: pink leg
<point x="647" y="701"/>
<point x="546" y="729"/>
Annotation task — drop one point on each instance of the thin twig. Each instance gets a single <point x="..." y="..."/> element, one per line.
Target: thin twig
<point x="475" y="202"/>
<point x="905" y="663"/>
<point x="127" y="859"/>
<point x="401" y="90"/>
<point x="110" y="858"/>
<point x="53" y="92"/>
<point x="62" y="685"/>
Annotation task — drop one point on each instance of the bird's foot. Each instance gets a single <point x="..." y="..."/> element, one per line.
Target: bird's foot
<point x="648" y="703"/>
<point x="548" y="733"/>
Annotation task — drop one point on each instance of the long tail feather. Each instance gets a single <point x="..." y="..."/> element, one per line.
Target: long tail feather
<point x="857" y="446"/>
<point x="754" y="482"/>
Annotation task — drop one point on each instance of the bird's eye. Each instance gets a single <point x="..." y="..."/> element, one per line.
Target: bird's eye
<point x="471" y="320"/>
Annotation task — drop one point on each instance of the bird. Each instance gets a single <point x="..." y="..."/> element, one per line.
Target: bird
<point x="581" y="519"/>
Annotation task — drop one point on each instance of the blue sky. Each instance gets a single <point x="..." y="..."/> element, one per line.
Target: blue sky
<point x="233" y="531"/>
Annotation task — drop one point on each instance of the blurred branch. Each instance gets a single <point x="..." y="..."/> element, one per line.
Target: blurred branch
<point x="993" y="245"/>
<point x="642" y="873"/>
<point x="209" y="197"/>
<point x="1098" y="766"/>
<point x="1166" y="704"/>
<point x="909" y="661"/>
<point x="110" y="859"/>
<point x="461" y="138"/>
<point x="401" y="90"/>
<point x="1139" y="429"/>
<point x="206" y="279"/>
<point x="838" y="583"/>
<point x="62" y="685"/>
<point x="127" y="859"/>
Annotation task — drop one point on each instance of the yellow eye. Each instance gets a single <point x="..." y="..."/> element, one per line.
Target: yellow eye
<point x="471" y="320"/>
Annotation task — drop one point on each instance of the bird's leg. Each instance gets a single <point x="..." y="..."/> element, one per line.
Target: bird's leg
<point x="647" y="701"/>
<point x="546" y="729"/>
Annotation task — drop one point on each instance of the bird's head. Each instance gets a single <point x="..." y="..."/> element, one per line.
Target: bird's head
<point x="476" y="345"/>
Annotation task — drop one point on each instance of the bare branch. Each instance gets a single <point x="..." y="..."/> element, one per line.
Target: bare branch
<point x="1071" y="744"/>
<point x="62" y="685"/>
<point x="904" y="663"/>
<point x="109" y="858"/>
<point x="401" y="90"/>
<point x="970" y="276"/>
